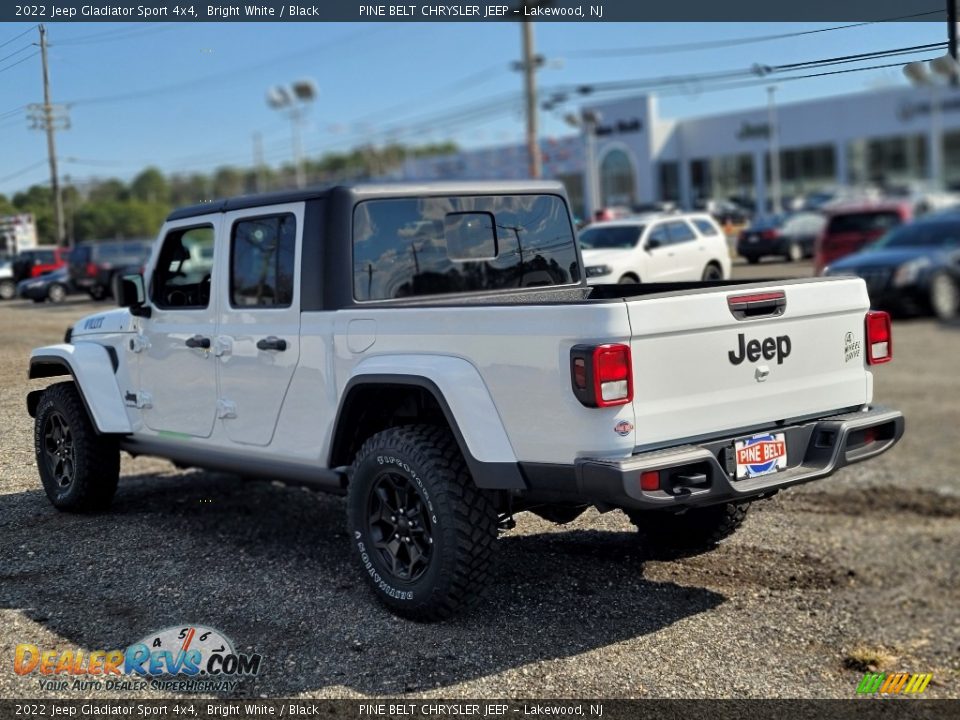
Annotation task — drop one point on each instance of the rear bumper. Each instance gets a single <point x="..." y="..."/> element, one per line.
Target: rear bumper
<point x="703" y="474"/>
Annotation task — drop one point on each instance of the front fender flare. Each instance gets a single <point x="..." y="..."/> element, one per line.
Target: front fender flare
<point x="93" y="370"/>
<point x="470" y="411"/>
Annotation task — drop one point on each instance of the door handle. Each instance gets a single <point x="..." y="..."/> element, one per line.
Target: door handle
<point x="198" y="341"/>
<point x="272" y="343"/>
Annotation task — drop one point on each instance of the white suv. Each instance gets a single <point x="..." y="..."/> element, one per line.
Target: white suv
<point x="655" y="248"/>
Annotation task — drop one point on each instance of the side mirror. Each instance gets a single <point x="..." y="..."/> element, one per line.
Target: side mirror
<point x="133" y="295"/>
<point x="652" y="243"/>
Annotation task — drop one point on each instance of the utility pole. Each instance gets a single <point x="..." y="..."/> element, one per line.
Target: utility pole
<point x="530" y="64"/>
<point x="258" y="162"/>
<point x="48" y="117"/>
<point x="952" y="33"/>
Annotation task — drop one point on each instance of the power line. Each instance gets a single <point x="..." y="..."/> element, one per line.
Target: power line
<point x="12" y="65"/>
<point x="12" y="112"/>
<point x="729" y="42"/>
<point x="561" y="94"/>
<point x="29" y="29"/>
<point x="235" y="74"/>
<point x="22" y="171"/>
<point x="118" y="34"/>
<point x="861" y="56"/>
<point x="17" y="52"/>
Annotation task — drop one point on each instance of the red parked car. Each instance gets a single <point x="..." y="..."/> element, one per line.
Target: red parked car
<point x="850" y="227"/>
<point x="34" y="263"/>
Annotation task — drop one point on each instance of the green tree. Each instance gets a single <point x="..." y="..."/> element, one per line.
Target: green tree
<point x="150" y="186"/>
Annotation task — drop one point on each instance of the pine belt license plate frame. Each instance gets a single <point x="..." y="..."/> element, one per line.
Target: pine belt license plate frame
<point x="770" y="450"/>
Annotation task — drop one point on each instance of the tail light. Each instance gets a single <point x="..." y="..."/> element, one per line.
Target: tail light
<point x="879" y="338"/>
<point x="769" y="234"/>
<point x="602" y="375"/>
<point x="91" y="269"/>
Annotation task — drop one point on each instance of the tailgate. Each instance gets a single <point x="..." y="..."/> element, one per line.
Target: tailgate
<point x="700" y="371"/>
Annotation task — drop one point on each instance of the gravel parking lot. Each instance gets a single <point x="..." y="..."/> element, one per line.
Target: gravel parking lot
<point x="824" y="581"/>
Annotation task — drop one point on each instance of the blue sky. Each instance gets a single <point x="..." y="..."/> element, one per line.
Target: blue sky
<point x="188" y="97"/>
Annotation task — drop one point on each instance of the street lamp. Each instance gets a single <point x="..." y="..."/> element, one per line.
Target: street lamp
<point x="916" y="72"/>
<point x="587" y="121"/>
<point x="294" y="100"/>
<point x="776" y="201"/>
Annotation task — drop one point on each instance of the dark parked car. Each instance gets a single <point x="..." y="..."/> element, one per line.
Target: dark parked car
<point x="850" y="228"/>
<point x="788" y="236"/>
<point x="53" y="286"/>
<point x="96" y="267"/>
<point x="912" y="269"/>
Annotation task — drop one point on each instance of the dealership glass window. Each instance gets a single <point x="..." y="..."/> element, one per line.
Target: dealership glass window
<point x="573" y="182"/>
<point x="700" y="181"/>
<point x="669" y="181"/>
<point x="887" y="161"/>
<point x="407" y="247"/>
<point x="805" y="169"/>
<point x="732" y="177"/>
<point x="951" y="160"/>
<point x="617" y="183"/>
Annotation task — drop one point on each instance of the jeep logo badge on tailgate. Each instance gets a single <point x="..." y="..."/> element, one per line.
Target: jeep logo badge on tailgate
<point x="768" y="348"/>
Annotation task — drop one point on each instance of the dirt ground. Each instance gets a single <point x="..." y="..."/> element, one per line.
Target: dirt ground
<point x="856" y="571"/>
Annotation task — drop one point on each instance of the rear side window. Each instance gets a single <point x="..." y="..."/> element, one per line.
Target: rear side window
<point x="431" y="246"/>
<point x="680" y="232"/>
<point x="863" y="222"/>
<point x="705" y="227"/>
<point x="261" y="261"/>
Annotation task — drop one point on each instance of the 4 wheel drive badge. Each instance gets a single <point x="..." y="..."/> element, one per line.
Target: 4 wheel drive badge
<point x="623" y="428"/>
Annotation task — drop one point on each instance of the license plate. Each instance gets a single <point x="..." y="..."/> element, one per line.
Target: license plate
<point x="760" y="455"/>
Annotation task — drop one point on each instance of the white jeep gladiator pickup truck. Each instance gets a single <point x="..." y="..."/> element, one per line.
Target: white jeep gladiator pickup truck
<point x="433" y="352"/>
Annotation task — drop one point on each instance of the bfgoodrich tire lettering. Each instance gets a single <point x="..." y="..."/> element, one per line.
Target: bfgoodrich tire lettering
<point x="79" y="469"/>
<point x="444" y="556"/>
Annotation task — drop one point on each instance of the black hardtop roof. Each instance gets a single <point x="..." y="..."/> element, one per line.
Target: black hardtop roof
<point x="367" y="191"/>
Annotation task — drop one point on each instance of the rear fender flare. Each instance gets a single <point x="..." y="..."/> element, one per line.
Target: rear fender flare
<point x="466" y="403"/>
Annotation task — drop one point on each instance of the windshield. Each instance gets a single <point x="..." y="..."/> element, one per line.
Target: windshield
<point x="622" y="236"/>
<point x="941" y="234"/>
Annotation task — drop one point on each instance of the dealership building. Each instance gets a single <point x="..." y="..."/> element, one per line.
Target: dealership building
<point x="874" y="137"/>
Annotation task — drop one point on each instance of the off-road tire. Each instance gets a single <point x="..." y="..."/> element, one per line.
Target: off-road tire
<point x="698" y="530"/>
<point x="460" y="519"/>
<point x="92" y="461"/>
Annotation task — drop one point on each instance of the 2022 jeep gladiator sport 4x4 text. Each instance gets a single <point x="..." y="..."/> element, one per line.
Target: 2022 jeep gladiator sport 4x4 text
<point x="434" y="353"/>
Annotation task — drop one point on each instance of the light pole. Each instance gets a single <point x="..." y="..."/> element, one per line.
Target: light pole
<point x="294" y="100"/>
<point x="587" y="121"/>
<point x="774" y="134"/>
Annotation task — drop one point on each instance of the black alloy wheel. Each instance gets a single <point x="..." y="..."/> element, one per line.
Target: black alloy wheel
<point x="400" y="526"/>
<point x="58" y="450"/>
